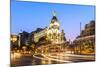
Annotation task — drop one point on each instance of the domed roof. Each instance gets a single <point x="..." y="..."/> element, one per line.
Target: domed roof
<point x="54" y="20"/>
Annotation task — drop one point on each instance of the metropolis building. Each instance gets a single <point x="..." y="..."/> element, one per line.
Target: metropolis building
<point x="52" y="33"/>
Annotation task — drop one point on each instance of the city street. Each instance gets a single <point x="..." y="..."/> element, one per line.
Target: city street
<point x="51" y="58"/>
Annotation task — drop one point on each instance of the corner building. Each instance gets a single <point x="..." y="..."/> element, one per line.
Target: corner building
<point x="52" y="33"/>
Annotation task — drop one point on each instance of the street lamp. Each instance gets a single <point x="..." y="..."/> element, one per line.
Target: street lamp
<point x="19" y="40"/>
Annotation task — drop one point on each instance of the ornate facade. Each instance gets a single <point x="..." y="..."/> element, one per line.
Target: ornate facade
<point x="52" y="33"/>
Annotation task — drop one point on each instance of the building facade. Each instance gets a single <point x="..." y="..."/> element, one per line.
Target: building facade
<point x="14" y="42"/>
<point x="85" y="42"/>
<point x="52" y="33"/>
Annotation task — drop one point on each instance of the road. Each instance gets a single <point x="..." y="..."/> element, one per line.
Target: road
<point x="50" y="58"/>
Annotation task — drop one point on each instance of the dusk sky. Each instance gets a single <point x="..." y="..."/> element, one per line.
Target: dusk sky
<point x="28" y="16"/>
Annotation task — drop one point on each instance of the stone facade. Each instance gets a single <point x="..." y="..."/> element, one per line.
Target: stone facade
<point x="52" y="33"/>
<point x="85" y="42"/>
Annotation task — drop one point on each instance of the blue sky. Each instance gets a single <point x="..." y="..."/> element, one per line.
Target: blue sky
<point x="30" y="15"/>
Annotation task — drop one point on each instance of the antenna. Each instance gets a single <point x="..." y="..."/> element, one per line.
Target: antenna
<point x="80" y="27"/>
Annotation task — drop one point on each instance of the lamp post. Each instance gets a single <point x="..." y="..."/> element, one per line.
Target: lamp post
<point x="19" y="42"/>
